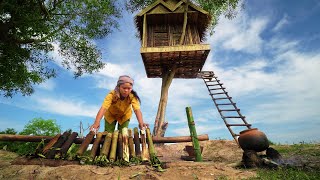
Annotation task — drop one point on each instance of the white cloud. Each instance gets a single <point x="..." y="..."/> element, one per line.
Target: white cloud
<point x="64" y="106"/>
<point x="284" y="21"/>
<point x="240" y="34"/>
<point x="48" y="85"/>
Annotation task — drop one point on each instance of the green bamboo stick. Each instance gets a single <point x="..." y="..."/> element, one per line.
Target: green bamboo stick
<point x="106" y="145"/>
<point x="113" y="150"/>
<point x="125" y="144"/>
<point x="193" y="134"/>
<point x="131" y="144"/>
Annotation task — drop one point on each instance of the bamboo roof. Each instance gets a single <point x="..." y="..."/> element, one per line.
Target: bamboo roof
<point x="169" y="11"/>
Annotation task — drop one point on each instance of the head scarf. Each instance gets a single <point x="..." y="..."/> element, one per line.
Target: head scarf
<point x="122" y="79"/>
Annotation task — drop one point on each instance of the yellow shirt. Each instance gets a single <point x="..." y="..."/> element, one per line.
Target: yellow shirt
<point x="120" y="110"/>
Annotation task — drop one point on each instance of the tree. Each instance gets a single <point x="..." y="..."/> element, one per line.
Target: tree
<point x="41" y="127"/>
<point x="9" y="146"/>
<point x="29" y="30"/>
<point x="37" y="127"/>
<point x="215" y="8"/>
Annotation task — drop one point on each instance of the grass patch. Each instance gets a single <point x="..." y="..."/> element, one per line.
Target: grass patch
<point x="299" y="149"/>
<point x="287" y="174"/>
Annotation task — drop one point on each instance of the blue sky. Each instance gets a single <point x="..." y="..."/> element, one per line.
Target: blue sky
<point x="268" y="58"/>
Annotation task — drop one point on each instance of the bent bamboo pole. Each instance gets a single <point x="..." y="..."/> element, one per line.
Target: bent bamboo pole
<point x="26" y="138"/>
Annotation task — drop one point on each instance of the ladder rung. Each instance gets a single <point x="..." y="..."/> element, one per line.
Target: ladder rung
<point x="216" y="89"/>
<point x="212" y="81"/>
<point x="238" y="125"/>
<point x="224" y="104"/>
<point x="234" y="117"/>
<point x="218" y="93"/>
<point x="215" y="84"/>
<point x="236" y="134"/>
<point x="222" y="98"/>
<point x="229" y="110"/>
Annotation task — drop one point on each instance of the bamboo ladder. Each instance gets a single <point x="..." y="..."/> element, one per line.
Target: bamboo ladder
<point x="223" y="102"/>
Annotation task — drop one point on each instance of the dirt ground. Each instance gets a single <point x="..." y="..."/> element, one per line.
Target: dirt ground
<point x="220" y="158"/>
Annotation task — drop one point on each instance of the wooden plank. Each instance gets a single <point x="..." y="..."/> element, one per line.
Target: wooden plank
<point x="182" y="48"/>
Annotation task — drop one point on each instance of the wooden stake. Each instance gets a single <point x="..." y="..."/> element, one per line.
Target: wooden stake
<point x="96" y="145"/>
<point x="83" y="147"/>
<point x="51" y="154"/>
<point x="50" y="144"/>
<point x="113" y="150"/>
<point x="67" y="144"/>
<point x="106" y="145"/>
<point x="125" y="144"/>
<point x="144" y="154"/>
<point x="120" y="147"/>
<point x="193" y="134"/>
<point x="137" y="142"/>
<point x="131" y="144"/>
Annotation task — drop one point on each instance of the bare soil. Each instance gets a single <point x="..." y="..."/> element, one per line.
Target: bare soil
<point x="220" y="159"/>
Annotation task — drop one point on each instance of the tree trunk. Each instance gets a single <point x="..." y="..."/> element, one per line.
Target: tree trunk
<point x="160" y="125"/>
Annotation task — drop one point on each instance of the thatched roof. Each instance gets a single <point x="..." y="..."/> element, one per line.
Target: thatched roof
<point x="171" y="12"/>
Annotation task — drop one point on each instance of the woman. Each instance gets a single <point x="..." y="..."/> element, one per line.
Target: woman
<point x="117" y="107"/>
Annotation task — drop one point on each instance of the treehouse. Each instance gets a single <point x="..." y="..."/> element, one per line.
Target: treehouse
<point x="171" y="32"/>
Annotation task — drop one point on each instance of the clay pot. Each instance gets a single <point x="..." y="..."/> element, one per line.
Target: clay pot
<point x="191" y="152"/>
<point x="253" y="139"/>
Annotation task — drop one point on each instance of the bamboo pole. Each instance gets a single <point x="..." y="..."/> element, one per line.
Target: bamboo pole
<point x="131" y="144"/>
<point x="137" y="142"/>
<point x="144" y="153"/>
<point x="120" y="147"/>
<point x="96" y="145"/>
<point x="52" y="152"/>
<point x="113" y="150"/>
<point x="125" y="144"/>
<point x="83" y="147"/>
<point x="193" y="134"/>
<point x="28" y="138"/>
<point x="106" y="145"/>
<point x="51" y="143"/>
<point x="67" y="144"/>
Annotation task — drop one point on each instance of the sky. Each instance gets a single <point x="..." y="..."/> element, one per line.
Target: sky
<point x="268" y="58"/>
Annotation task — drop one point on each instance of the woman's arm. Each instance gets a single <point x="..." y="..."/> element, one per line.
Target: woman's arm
<point x="140" y="119"/>
<point x="99" y="116"/>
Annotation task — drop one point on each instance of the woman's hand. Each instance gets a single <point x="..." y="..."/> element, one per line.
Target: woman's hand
<point x="143" y="126"/>
<point x="95" y="127"/>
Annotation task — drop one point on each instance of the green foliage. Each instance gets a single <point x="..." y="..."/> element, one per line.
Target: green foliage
<point x="37" y="127"/>
<point x="9" y="146"/>
<point x="41" y="127"/>
<point x="30" y="29"/>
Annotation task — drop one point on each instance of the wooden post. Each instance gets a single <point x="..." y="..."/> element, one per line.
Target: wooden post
<point x="120" y="146"/>
<point x="83" y="147"/>
<point x="113" y="150"/>
<point x="51" y="143"/>
<point x="131" y="144"/>
<point x="193" y="134"/>
<point x="51" y="154"/>
<point x="67" y="144"/>
<point x="125" y="144"/>
<point x="144" y="33"/>
<point x="106" y="145"/>
<point x="144" y="154"/>
<point x="137" y="142"/>
<point x="96" y="145"/>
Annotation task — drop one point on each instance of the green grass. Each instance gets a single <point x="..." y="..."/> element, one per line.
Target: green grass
<point x="299" y="149"/>
<point x="307" y="151"/>
<point x="287" y="174"/>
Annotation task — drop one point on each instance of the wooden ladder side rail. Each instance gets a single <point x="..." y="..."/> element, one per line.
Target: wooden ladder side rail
<point x="210" y="75"/>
